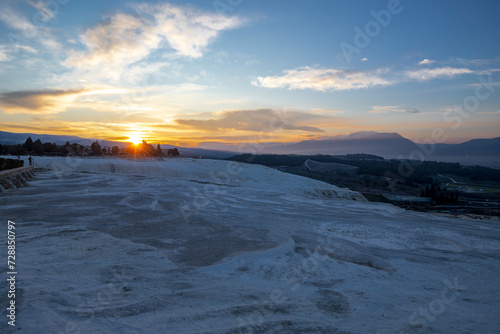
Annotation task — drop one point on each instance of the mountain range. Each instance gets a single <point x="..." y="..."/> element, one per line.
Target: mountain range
<point x="388" y="145"/>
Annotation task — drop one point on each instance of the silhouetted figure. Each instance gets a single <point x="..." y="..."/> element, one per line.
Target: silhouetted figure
<point x="31" y="161"/>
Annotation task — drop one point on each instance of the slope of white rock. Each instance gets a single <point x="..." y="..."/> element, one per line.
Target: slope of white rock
<point x="203" y="246"/>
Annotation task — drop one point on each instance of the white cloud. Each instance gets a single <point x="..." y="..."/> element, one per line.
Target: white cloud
<point x="44" y="13"/>
<point x="427" y="74"/>
<point x="112" y="45"/>
<point x="17" y="22"/>
<point x="123" y="39"/>
<point x="3" y="53"/>
<point x="188" y="31"/>
<point x="471" y="62"/>
<point x="186" y="87"/>
<point x="323" y="79"/>
<point x="426" y="62"/>
<point x="26" y="48"/>
<point x="30" y="33"/>
<point x="385" y="109"/>
<point x="364" y="59"/>
<point x="338" y="79"/>
<point x="145" y="74"/>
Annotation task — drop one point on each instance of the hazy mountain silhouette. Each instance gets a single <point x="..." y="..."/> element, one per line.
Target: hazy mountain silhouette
<point x="387" y="145"/>
<point x="474" y="147"/>
<point x="10" y="138"/>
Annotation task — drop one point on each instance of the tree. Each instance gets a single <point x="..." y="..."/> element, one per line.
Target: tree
<point x="68" y="149"/>
<point x="28" y="144"/>
<point x="19" y="150"/>
<point x="77" y="149"/>
<point x="115" y="150"/>
<point x="95" y="149"/>
<point x="433" y="191"/>
<point x="158" y="148"/>
<point x="50" y="147"/>
<point x="173" y="152"/>
<point x="147" y="150"/>
<point x="38" y="147"/>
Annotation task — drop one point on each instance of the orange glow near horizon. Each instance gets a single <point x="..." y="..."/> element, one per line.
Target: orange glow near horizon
<point x="135" y="139"/>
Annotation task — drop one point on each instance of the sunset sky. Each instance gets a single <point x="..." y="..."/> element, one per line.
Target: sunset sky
<point x="186" y="72"/>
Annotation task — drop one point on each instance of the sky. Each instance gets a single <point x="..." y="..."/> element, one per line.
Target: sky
<point x="237" y="71"/>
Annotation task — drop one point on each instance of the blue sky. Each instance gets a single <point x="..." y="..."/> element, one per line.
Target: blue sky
<point x="240" y="70"/>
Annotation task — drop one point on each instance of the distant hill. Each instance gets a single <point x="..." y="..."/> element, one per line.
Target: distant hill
<point x="11" y="138"/>
<point x="474" y="147"/>
<point x="388" y="145"/>
<point x="194" y="152"/>
<point x="484" y="152"/>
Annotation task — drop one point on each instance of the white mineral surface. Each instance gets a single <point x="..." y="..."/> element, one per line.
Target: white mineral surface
<point x="205" y="246"/>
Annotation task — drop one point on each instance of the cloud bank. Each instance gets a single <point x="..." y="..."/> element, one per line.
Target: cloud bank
<point x="122" y="39"/>
<point x="337" y="80"/>
<point x="323" y="79"/>
<point x="36" y="101"/>
<point x="259" y="120"/>
<point x="427" y="74"/>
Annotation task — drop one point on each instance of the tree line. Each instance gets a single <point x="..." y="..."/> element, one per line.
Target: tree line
<point x="37" y="147"/>
<point x="438" y="195"/>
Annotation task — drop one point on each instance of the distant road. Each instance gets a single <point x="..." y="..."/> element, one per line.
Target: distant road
<point x="307" y="166"/>
<point x="451" y="179"/>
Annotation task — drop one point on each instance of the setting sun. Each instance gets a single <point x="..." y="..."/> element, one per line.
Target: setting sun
<point x="134" y="139"/>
